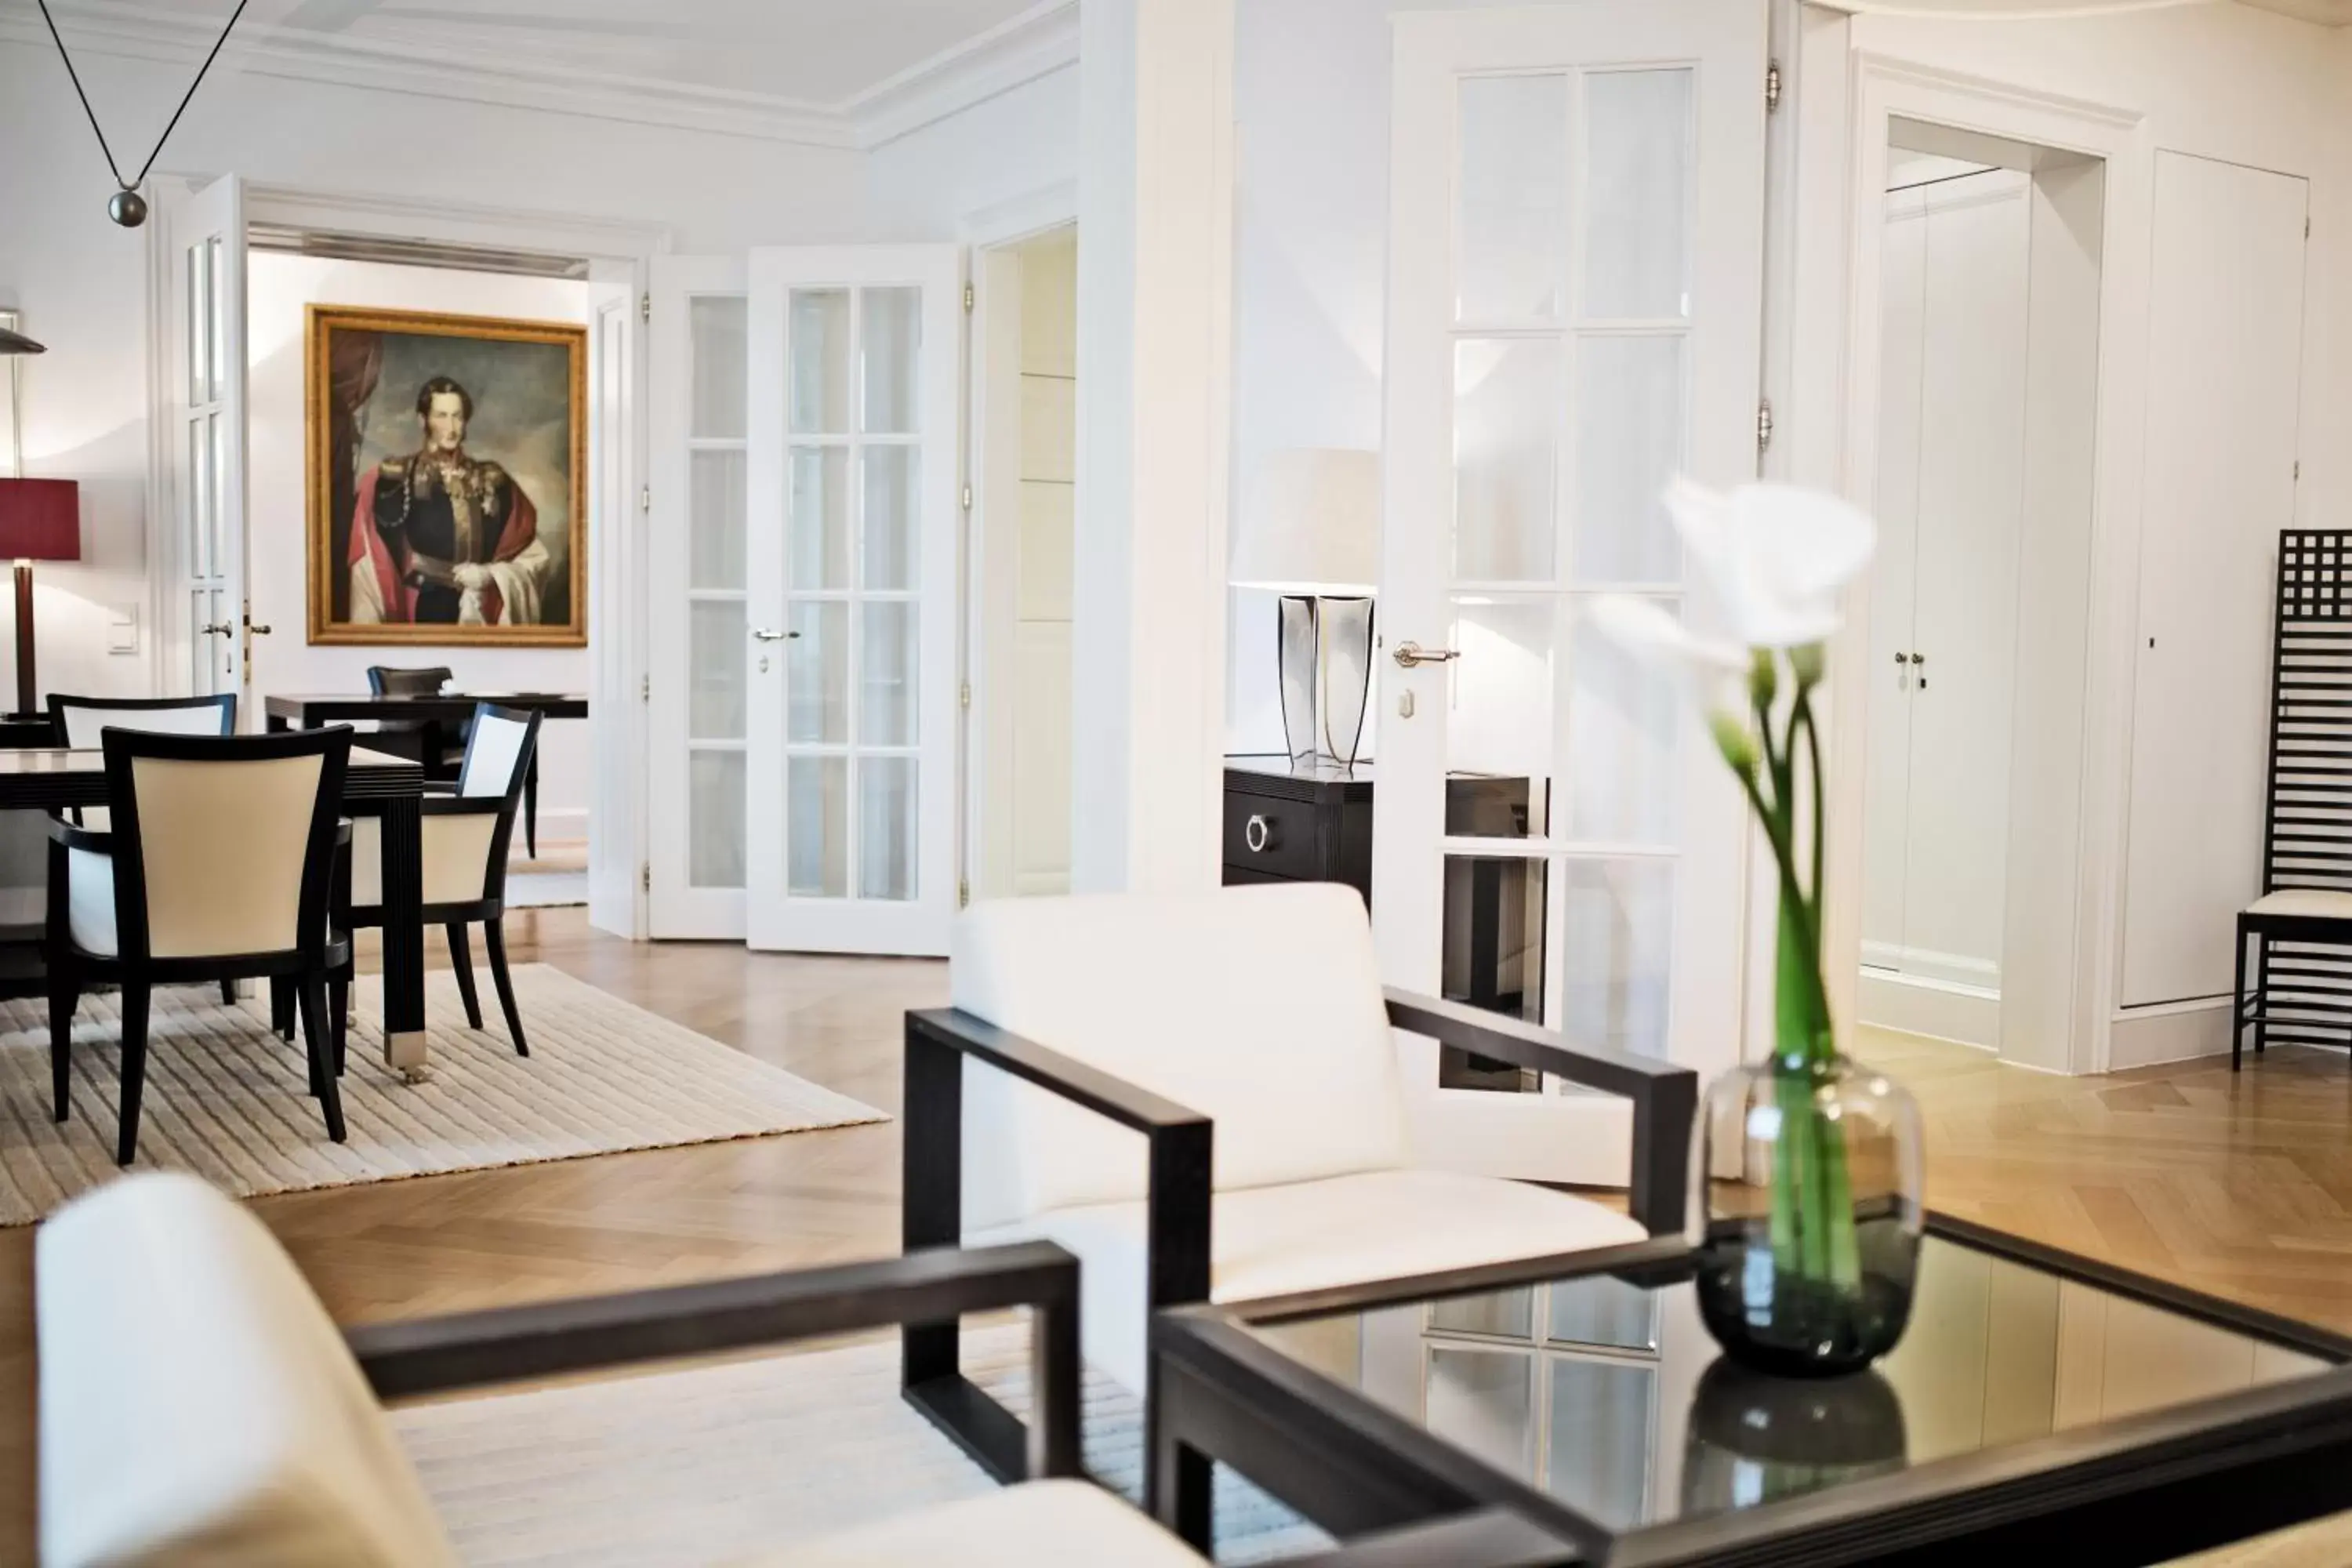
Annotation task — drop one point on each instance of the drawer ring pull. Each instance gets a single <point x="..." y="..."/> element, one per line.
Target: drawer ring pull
<point x="1258" y="833"/>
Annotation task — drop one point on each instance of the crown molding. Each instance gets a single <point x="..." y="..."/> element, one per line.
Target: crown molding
<point x="1023" y="48"/>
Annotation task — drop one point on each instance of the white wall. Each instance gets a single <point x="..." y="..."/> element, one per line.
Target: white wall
<point x="278" y="288"/>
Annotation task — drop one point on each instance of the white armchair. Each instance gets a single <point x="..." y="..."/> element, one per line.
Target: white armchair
<point x="1246" y="1035"/>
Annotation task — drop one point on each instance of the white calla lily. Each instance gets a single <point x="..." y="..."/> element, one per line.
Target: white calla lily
<point x="1656" y="635"/>
<point x="1775" y="555"/>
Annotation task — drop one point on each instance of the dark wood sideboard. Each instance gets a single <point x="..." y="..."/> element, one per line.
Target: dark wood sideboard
<point x="1298" y="822"/>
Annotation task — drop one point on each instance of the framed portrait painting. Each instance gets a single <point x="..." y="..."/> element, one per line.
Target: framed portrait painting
<point x="447" y="478"/>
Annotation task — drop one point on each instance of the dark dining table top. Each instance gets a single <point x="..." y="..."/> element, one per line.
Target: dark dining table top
<point x="315" y="707"/>
<point x="56" y="775"/>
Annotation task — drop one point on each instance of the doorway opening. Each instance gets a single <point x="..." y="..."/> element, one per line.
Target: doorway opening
<point x="1025" y="447"/>
<point x="1979" y="603"/>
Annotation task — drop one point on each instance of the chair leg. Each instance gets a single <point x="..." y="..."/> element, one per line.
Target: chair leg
<point x="2238" y="1006"/>
<point x="314" y="1034"/>
<point x="282" y="1007"/>
<point x="2261" y="993"/>
<point x="63" y="998"/>
<point x="134" y="1070"/>
<point x="462" y="955"/>
<point x="339" y="1008"/>
<point x="494" y="937"/>
<point x="228" y="993"/>
<point x="530" y="812"/>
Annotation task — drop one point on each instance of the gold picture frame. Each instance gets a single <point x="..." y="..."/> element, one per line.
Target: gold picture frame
<point x="414" y="538"/>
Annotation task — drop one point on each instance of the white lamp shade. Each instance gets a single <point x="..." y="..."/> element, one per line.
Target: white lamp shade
<point x="1312" y="524"/>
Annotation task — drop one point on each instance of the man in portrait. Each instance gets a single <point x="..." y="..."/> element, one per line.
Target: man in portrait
<point x="443" y="538"/>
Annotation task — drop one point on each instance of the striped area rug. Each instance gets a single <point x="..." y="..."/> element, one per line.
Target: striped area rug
<point x="229" y="1101"/>
<point x="715" y="1463"/>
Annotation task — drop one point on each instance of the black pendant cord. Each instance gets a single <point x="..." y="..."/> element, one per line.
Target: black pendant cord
<point x="75" y="76"/>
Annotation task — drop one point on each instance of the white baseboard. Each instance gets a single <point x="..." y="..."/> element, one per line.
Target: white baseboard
<point x="2169" y="1032"/>
<point x="559" y="825"/>
<point x="1964" y="1015"/>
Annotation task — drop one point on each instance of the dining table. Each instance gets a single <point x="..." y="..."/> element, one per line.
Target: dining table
<point x="53" y="778"/>
<point x="441" y="713"/>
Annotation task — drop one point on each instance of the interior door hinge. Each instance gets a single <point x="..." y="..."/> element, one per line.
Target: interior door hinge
<point x="646" y="307"/>
<point x="1763" y="424"/>
<point x="645" y="499"/>
<point x="1771" y="86"/>
<point x="2299" y="470"/>
<point x="644" y="688"/>
<point x="964" y="698"/>
<point x="969" y="299"/>
<point x="963" y="892"/>
<point x="646" y="875"/>
<point x="966" y="498"/>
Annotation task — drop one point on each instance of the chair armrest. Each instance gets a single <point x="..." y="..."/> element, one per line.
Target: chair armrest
<point x="1484" y="1538"/>
<point x="1665" y="1096"/>
<point x="74" y="835"/>
<point x="1074" y="1080"/>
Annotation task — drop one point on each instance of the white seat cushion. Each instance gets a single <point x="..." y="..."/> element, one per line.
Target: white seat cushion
<point x="2312" y="903"/>
<point x="456" y="858"/>
<point x="197" y="1406"/>
<point x="1259" y="1008"/>
<point x="1039" y="1524"/>
<point x="1309" y="1235"/>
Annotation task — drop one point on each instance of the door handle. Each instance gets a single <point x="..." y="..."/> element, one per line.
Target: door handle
<point x="1409" y="654"/>
<point x="769" y="634"/>
<point x="218" y="630"/>
<point x="258" y="631"/>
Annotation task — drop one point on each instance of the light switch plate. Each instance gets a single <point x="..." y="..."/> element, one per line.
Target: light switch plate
<point x="122" y="628"/>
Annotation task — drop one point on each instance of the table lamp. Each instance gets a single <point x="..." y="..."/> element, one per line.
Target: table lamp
<point x="1311" y="533"/>
<point x="40" y="519"/>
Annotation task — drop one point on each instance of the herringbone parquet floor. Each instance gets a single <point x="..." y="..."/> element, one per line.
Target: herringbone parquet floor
<point x="2240" y="1187"/>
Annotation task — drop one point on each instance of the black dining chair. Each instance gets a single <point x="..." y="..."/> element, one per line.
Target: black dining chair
<point x="431" y="680"/>
<point x="466" y="835"/>
<point x="217" y="865"/>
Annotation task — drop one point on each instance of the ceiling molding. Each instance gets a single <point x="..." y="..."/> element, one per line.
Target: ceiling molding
<point x="1039" y="40"/>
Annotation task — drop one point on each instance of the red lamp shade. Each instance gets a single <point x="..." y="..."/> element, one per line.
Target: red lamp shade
<point x="40" y="519"/>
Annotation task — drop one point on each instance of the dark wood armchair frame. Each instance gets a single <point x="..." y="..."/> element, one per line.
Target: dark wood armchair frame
<point x="395" y="680"/>
<point x="489" y="909"/>
<point x="474" y="1350"/>
<point x="304" y="968"/>
<point x="1181" y="1183"/>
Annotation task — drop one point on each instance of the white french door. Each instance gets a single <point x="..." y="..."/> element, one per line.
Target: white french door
<point x="854" y="357"/>
<point x="207" y="614"/>
<point x="698" y="675"/>
<point x="1575" y="294"/>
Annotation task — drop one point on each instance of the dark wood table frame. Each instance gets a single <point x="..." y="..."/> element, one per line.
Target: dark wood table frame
<point x="2137" y="1490"/>
<point x="52" y="779"/>
<point x="436" y="714"/>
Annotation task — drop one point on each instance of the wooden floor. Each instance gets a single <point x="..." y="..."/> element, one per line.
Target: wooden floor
<point x="2241" y="1186"/>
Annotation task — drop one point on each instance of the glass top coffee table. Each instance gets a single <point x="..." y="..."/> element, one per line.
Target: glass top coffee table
<point x="2038" y="1401"/>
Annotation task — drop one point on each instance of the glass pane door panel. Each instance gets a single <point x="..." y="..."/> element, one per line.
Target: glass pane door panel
<point x="715" y="700"/>
<point x="1484" y="1400"/>
<point x="216" y="333"/>
<point x="889" y="516"/>
<point x="816" y="831"/>
<point x="1600" y="1437"/>
<point x="886" y="828"/>
<point x="819" y="329"/>
<point x="1493" y="939"/>
<point x="1498" y="720"/>
<point x="200" y="496"/>
<point x="1624" y="723"/>
<point x="1512" y="221"/>
<point x="820" y="521"/>
<point x="217" y="520"/>
<point x="1505" y="1314"/>
<point x="715" y="819"/>
<point x="1507" y="401"/>
<point x="1629" y="443"/>
<point x="1618" y="947"/>
<point x="892" y="353"/>
<point x="886" y="676"/>
<point x="717" y="506"/>
<point x="1637" y="135"/>
<point x="721" y="384"/>
<point x="1602" y="1310"/>
<point x="200" y="322"/>
<point x="817" y="708"/>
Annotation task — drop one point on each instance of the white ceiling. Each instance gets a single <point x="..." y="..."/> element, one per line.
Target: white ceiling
<point x="806" y="53"/>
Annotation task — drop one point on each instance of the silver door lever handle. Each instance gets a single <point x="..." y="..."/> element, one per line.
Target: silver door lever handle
<point x="1409" y="654"/>
<point x="766" y="633"/>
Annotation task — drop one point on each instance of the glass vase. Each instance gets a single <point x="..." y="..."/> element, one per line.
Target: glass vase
<point x="1806" y="1209"/>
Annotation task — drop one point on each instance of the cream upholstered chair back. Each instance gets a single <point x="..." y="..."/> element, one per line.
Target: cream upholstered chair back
<point x="1260" y="1007"/>
<point x="222" y="845"/>
<point x="81" y="720"/>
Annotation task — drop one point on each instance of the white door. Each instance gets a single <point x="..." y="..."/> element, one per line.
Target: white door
<point x="618" y="732"/>
<point x="700" y="528"/>
<point x="205" y="615"/>
<point x="1575" y="290"/>
<point x="855" y="355"/>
